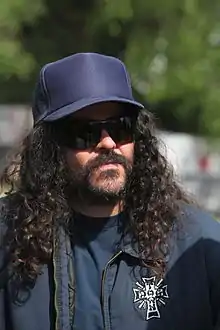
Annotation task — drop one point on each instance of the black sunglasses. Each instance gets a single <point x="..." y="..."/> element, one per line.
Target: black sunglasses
<point x="82" y="134"/>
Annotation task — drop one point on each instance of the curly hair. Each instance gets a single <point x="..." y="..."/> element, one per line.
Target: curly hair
<point x="37" y="178"/>
<point x="155" y="198"/>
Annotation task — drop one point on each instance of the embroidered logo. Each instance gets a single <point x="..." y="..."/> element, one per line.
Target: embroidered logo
<point x="150" y="295"/>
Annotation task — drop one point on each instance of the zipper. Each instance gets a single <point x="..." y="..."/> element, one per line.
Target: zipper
<point x="55" y="285"/>
<point x="104" y="297"/>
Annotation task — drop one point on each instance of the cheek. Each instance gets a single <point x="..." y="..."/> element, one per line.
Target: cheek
<point x="76" y="159"/>
<point x="127" y="151"/>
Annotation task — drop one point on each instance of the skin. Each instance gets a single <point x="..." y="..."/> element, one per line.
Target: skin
<point x="78" y="158"/>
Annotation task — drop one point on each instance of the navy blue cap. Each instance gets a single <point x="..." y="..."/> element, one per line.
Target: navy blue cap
<point x="77" y="81"/>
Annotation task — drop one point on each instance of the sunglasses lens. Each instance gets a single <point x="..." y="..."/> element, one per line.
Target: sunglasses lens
<point x="87" y="135"/>
<point x="121" y="133"/>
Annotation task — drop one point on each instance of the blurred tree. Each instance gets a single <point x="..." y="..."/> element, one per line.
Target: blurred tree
<point x="13" y="58"/>
<point x="172" y="50"/>
<point x="61" y="31"/>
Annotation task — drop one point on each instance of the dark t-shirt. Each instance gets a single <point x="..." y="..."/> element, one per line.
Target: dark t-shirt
<point x="98" y="240"/>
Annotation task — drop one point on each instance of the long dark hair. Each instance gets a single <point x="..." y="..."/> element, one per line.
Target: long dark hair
<point x="36" y="179"/>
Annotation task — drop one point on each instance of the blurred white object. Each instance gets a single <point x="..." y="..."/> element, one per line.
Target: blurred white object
<point x="187" y="154"/>
<point x="196" y="162"/>
<point x="15" y="120"/>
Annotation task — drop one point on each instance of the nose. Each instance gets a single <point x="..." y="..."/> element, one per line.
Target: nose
<point x="106" y="142"/>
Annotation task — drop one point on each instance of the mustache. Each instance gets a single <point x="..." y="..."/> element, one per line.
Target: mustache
<point x="109" y="157"/>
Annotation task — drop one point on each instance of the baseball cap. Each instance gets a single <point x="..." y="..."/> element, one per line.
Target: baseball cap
<point x="77" y="81"/>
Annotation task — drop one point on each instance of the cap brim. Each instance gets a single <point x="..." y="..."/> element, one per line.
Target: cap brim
<point x="76" y="106"/>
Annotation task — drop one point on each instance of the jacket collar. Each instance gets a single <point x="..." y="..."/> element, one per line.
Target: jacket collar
<point x="129" y="249"/>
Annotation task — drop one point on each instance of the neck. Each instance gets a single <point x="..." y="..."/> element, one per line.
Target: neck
<point x="98" y="211"/>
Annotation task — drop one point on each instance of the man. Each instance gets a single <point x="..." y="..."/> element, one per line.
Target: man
<point x="96" y="233"/>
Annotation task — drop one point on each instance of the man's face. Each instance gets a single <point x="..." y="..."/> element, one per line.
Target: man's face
<point x="100" y="173"/>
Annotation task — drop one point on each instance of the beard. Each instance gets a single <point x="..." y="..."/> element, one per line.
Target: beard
<point x="97" y="186"/>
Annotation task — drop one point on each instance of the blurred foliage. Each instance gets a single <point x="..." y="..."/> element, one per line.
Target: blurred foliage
<point x="172" y="50"/>
<point x="13" y="58"/>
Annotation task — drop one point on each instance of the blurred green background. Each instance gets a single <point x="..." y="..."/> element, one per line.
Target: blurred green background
<point x="171" y="48"/>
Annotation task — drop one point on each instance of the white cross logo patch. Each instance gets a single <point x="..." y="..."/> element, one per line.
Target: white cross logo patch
<point x="150" y="295"/>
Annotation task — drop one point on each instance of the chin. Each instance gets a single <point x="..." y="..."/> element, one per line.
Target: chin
<point x="111" y="188"/>
<point x="109" y="183"/>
